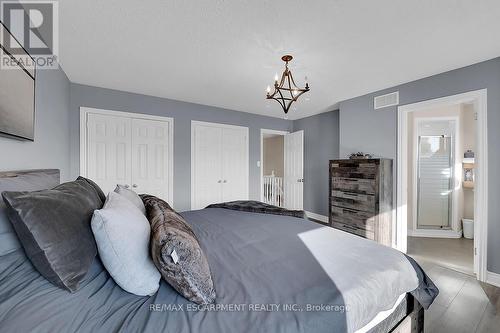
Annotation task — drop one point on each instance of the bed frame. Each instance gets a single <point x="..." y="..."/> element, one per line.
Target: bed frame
<point x="408" y="317"/>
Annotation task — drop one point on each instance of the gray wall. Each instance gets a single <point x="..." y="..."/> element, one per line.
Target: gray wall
<point x="321" y="144"/>
<point x="364" y="129"/>
<point x="51" y="146"/>
<point x="182" y="113"/>
<point x="273" y="155"/>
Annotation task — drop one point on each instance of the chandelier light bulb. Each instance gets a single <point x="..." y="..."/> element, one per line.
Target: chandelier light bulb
<point x="268" y="89"/>
<point x="276" y="77"/>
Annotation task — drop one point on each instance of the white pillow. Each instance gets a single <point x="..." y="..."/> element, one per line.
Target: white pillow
<point x="122" y="232"/>
<point x="132" y="196"/>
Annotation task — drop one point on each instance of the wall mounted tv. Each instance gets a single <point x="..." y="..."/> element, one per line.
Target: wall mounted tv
<point x="17" y="90"/>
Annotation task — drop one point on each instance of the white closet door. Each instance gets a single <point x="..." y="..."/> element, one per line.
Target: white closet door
<point x="206" y="166"/>
<point x="150" y="158"/>
<point x="108" y="150"/>
<point x="294" y="170"/>
<point x="234" y="164"/>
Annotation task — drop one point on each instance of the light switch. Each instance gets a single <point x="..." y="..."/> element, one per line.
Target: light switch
<point x="258" y="164"/>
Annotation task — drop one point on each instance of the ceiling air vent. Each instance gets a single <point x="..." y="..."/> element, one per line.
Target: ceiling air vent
<point x="386" y="100"/>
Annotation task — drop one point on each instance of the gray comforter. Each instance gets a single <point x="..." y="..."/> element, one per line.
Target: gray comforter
<point x="258" y="207"/>
<point x="271" y="273"/>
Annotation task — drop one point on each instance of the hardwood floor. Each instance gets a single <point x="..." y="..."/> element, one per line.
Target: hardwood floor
<point x="457" y="254"/>
<point x="464" y="305"/>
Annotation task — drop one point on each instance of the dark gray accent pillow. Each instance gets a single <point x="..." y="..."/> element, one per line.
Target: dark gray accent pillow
<point x="177" y="253"/>
<point x="100" y="193"/>
<point x="28" y="180"/>
<point x="54" y="229"/>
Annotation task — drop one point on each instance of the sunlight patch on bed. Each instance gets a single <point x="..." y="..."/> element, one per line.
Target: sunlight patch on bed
<point x="319" y="243"/>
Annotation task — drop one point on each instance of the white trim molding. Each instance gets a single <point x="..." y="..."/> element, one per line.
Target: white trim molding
<point x="319" y="217"/>
<point x="493" y="278"/>
<point x="480" y="101"/>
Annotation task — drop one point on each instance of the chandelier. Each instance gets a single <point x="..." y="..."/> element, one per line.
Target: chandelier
<point x="286" y="91"/>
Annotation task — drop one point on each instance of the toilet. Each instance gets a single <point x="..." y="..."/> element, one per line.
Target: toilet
<point x="468" y="227"/>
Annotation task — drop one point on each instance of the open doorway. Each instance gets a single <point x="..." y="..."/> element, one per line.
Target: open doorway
<point x="282" y="168"/>
<point x="442" y="205"/>
<point x="273" y="168"/>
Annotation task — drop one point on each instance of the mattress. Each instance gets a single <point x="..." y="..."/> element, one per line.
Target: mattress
<point x="398" y="311"/>
<point x="271" y="273"/>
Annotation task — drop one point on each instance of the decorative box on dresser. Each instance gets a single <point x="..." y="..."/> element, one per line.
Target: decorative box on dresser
<point x="361" y="198"/>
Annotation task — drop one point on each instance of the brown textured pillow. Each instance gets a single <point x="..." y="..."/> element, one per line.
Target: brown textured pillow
<point x="177" y="253"/>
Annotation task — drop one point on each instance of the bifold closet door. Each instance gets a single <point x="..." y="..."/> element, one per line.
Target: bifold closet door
<point x="219" y="164"/>
<point x="150" y="158"/>
<point x="234" y="164"/>
<point x="108" y="150"/>
<point x="120" y="148"/>
<point x="207" y="166"/>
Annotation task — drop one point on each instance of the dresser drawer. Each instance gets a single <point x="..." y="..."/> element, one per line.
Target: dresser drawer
<point x="367" y="186"/>
<point x="358" y="170"/>
<point x="361" y="220"/>
<point x="353" y="230"/>
<point x="357" y="201"/>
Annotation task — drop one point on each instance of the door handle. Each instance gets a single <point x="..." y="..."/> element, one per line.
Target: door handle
<point x="126" y="186"/>
<point x="225" y="181"/>
<point x="219" y="181"/>
<point x="134" y="186"/>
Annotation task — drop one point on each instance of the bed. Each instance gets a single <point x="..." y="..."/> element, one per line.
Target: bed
<point x="271" y="273"/>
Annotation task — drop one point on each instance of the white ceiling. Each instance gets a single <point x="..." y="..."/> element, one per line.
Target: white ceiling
<point x="224" y="53"/>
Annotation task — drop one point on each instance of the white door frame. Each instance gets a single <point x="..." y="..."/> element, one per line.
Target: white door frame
<point x="85" y="111"/>
<point x="194" y="123"/>
<point x="453" y="232"/>
<point x="261" y="162"/>
<point x="480" y="101"/>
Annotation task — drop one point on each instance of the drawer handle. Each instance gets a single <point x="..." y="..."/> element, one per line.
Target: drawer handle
<point x="350" y="211"/>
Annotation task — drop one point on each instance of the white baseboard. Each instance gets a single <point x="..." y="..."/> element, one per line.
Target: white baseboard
<point x="435" y="233"/>
<point x="321" y="218"/>
<point x="493" y="278"/>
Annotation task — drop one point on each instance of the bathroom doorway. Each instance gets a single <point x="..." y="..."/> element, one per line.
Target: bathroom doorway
<point x="442" y="182"/>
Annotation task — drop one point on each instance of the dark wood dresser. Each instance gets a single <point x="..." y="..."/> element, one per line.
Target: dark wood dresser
<point x="361" y="198"/>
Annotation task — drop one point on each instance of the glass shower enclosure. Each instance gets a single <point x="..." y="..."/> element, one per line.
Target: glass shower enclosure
<point x="435" y="179"/>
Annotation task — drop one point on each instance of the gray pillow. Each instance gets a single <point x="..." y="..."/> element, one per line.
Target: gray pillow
<point x="96" y="187"/>
<point x="131" y="196"/>
<point x="54" y="229"/>
<point x="122" y="233"/>
<point x="30" y="180"/>
<point x="177" y="253"/>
